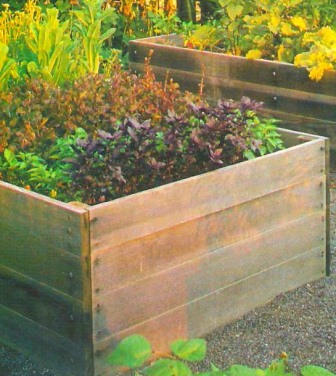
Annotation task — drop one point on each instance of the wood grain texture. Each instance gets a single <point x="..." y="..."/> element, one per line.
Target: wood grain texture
<point x="42" y="345"/>
<point x="275" y="98"/>
<point x="45" y="262"/>
<point x="222" y="306"/>
<point x="120" y="265"/>
<point x="200" y="276"/>
<point x="151" y="211"/>
<point x="53" y="222"/>
<point x="43" y="305"/>
<point x="235" y="68"/>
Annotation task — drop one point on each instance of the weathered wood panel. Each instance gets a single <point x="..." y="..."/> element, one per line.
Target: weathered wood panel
<point x="36" y="215"/>
<point x="219" y="65"/>
<point x="40" y="303"/>
<point x="222" y="306"/>
<point x="43" y="345"/>
<point x="116" y="222"/>
<point x="137" y="259"/>
<point x="176" y="286"/>
<point x="45" y="275"/>
<point x="274" y="97"/>
<point x="44" y="262"/>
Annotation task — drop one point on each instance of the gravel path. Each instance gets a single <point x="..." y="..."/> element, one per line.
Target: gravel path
<point x="301" y="323"/>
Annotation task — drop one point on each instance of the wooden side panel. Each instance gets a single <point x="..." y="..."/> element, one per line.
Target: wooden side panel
<point x="42" y="344"/>
<point x="140" y="258"/>
<point x="45" y="277"/>
<point x="281" y="86"/>
<point x="58" y="312"/>
<point x="45" y="262"/>
<point x="263" y="72"/>
<point x="275" y="98"/>
<point x="35" y="215"/>
<point x="223" y="248"/>
<point x="132" y="217"/>
<point x="186" y="282"/>
<point x="222" y="306"/>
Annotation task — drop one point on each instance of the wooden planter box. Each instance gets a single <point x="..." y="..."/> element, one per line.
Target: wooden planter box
<point x="286" y="90"/>
<point x="172" y="262"/>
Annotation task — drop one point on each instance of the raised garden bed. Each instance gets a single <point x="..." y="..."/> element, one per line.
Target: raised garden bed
<point x="171" y="262"/>
<point x="286" y="90"/>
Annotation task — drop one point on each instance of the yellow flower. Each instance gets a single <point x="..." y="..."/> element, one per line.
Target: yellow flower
<point x="254" y="54"/>
<point x="286" y="29"/>
<point x="316" y="72"/>
<point x="53" y="193"/>
<point x="300" y="23"/>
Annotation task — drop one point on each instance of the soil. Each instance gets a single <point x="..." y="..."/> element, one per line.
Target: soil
<point x="301" y="323"/>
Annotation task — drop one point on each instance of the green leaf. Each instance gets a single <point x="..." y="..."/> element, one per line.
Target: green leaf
<point x="131" y="352"/>
<point x="211" y="373"/>
<point x="248" y="154"/>
<point x="193" y="350"/>
<point x="168" y="367"/>
<point x="234" y="10"/>
<point x="239" y="370"/>
<point x="315" y="371"/>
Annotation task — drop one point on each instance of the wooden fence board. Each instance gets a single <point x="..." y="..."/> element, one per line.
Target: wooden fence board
<point x="42" y="345"/>
<point x="147" y="212"/>
<point x="50" y="220"/>
<point x="203" y="275"/>
<point x="222" y="306"/>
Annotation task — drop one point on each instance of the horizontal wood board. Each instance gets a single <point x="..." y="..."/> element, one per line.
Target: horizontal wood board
<point x="203" y="315"/>
<point x="43" y="345"/>
<point x="45" y="273"/>
<point x="44" y="239"/>
<point x="263" y="72"/>
<point x="131" y="261"/>
<point x="207" y="272"/>
<point x="118" y="221"/>
<point x="53" y="222"/>
<point x="43" y="305"/>
<point x="275" y="98"/>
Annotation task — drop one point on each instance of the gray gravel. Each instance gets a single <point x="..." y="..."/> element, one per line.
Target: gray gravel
<point x="301" y="323"/>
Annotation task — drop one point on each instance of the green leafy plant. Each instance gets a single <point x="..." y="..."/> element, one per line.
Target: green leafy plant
<point x="292" y="31"/>
<point x="136" y="133"/>
<point x="135" y="352"/>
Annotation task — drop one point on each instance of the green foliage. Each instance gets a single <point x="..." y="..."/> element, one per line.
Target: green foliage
<point x="7" y="67"/>
<point x="114" y="136"/>
<point x="41" y="44"/>
<point x="311" y="370"/>
<point x="193" y="350"/>
<point x="132" y="352"/>
<point x="167" y="367"/>
<point x="293" y="31"/>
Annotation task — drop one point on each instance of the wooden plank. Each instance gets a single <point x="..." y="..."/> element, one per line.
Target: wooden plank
<point x="147" y="212"/>
<point x="131" y="261"/>
<point x="176" y="286"/>
<point x="43" y="305"/>
<point x="52" y="221"/>
<point x="42" y="345"/>
<point x="203" y="315"/>
<point x="44" y="262"/>
<point x="134" y="260"/>
<point x="235" y="68"/>
<point x="275" y="97"/>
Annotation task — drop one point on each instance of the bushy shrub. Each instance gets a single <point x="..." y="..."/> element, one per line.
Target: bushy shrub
<point x="135" y="134"/>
